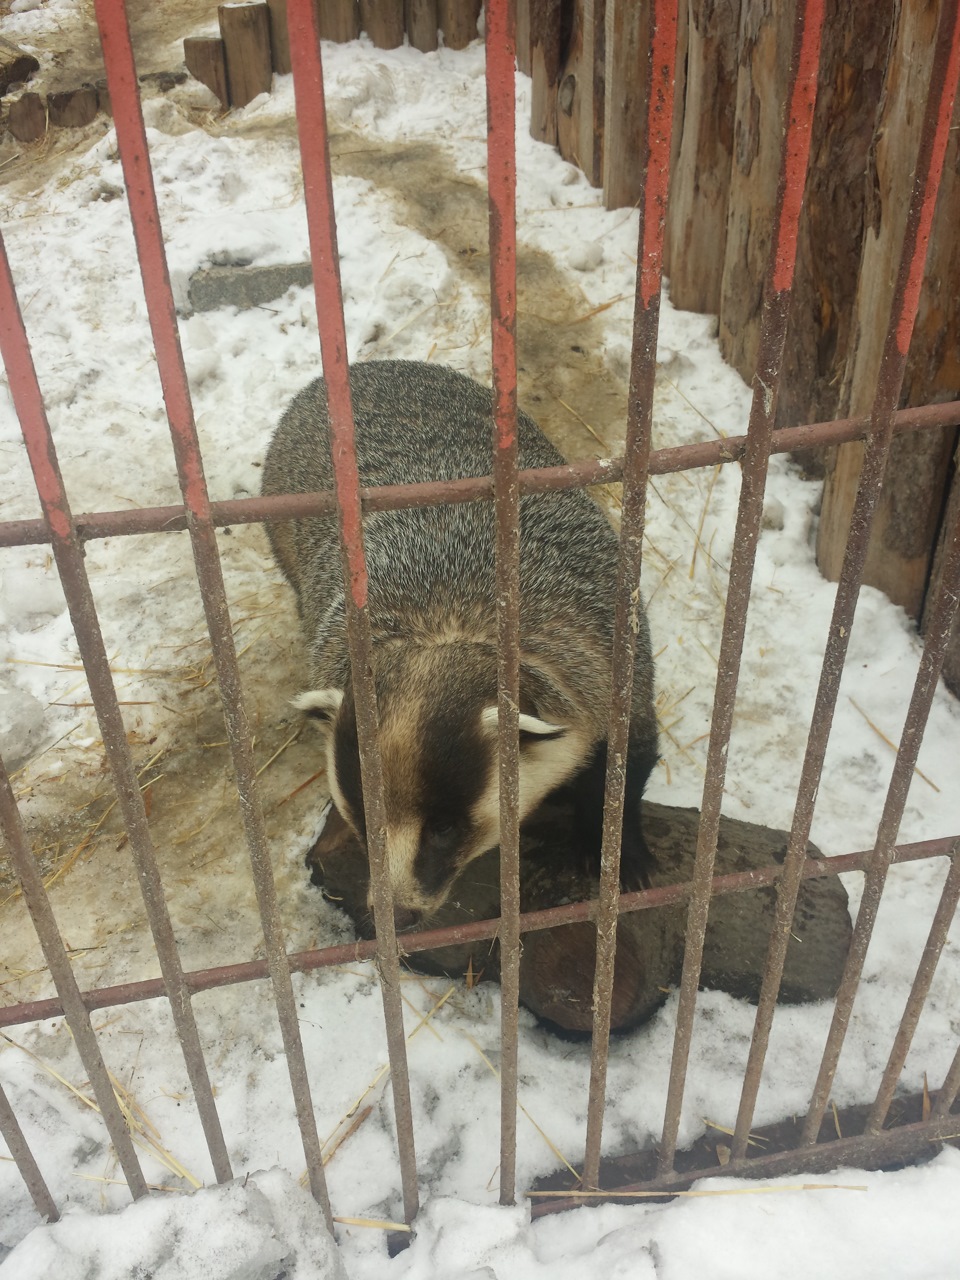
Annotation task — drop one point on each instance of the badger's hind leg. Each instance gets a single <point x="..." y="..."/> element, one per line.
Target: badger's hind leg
<point x="586" y="793"/>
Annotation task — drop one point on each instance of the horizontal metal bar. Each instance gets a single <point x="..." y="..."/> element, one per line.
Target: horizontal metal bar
<point x="428" y="939"/>
<point x="576" y="475"/>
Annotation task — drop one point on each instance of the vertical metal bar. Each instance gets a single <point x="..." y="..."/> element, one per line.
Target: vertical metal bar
<point x="646" y="319"/>
<point x="321" y="222"/>
<point x="931" y="662"/>
<point x="134" y="157"/>
<point x="946" y="908"/>
<point x="947" y="1095"/>
<point x="502" y="187"/>
<point x="23" y="1156"/>
<point x="68" y="552"/>
<point x="937" y="117"/>
<point x="58" y="962"/>
<point x="799" y="107"/>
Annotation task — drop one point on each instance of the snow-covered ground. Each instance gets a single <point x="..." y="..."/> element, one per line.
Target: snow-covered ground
<point x="409" y="154"/>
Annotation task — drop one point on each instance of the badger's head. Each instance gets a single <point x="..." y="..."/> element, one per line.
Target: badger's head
<point x="438" y="744"/>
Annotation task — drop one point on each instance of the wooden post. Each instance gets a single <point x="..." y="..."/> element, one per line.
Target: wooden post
<point x="523" y="36"/>
<point x="855" y="49"/>
<point x="339" y="20"/>
<point x="382" y="20"/>
<point x="73" y="108"/>
<point x="246" y="45"/>
<point x="27" y="118"/>
<point x="700" y="186"/>
<point x="205" y="61"/>
<point x="422" y="24"/>
<point x="580" y="92"/>
<point x="625" y="87"/>
<point x="766" y="39"/>
<point x="905" y="524"/>
<point x="544" y="68"/>
<point x="458" y="21"/>
<point x="279" y="37"/>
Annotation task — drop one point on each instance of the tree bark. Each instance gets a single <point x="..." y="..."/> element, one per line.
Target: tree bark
<point x="697" y="221"/>
<point x="766" y="38"/>
<point x="905" y="524"/>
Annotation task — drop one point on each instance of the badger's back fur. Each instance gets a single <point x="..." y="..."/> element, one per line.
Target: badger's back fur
<point x="433" y="619"/>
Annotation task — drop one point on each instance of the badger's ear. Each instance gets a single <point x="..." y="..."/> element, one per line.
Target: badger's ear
<point x="530" y="726"/>
<point x="321" y="705"/>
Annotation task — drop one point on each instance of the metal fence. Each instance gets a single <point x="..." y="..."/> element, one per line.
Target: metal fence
<point x="66" y="534"/>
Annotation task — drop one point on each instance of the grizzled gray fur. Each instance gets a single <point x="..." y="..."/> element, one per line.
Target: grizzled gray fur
<point x="432" y="581"/>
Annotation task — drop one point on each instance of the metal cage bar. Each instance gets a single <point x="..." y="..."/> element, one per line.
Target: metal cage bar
<point x="135" y="161"/>
<point x="798" y="119"/>
<point x="940" y="927"/>
<point x="427" y="939"/>
<point x="646" y="320"/>
<point x="43" y="1201"/>
<point x="576" y="475"/>
<point x="938" y="111"/>
<point x="502" y="190"/>
<point x="68" y="554"/>
<point x="321" y="224"/>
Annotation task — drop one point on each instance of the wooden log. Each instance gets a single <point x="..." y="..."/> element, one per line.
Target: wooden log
<point x="339" y="20"/>
<point x="279" y="37"/>
<point x="679" y="111"/>
<point x="205" y="60"/>
<point x="700" y="184"/>
<point x="523" y="36"/>
<point x="580" y="91"/>
<point x="625" y="86"/>
<point x="766" y="37"/>
<point x="855" y="46"/>
<point x="27" y="118"/>
<point x="15" y="65"/>
<point x="544" y="68"/>
<point x="458" y="21"/>
<point x="420" y="17"/>
<point x="382" y="20"/>
<point x="72" y="109"/>
<point x="905" y="524"/>
<point x="556" y="967"/>
<point x="245" y="29"/>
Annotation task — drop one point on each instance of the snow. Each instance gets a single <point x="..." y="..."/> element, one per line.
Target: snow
<point x="410" y="216"/>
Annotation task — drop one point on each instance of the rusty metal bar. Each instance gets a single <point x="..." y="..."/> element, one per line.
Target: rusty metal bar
<point x="68" y="554"/>
<point x="658" y="111"/>
<point x="502" y="193"/>
<point x="476" y="930"/>
<point x="931" y="661"/>
<point x="943" y="918"/>
<point x="23" y="1156"/>
<point x="800" y="101"/>
<point x="576" y="475"/>
<point x="58" y="962"/>
<point x="134" y="158"/>
<point x="321" y="223"/>
<point x="903" y="311"/>
<point x="905" y="1143"/>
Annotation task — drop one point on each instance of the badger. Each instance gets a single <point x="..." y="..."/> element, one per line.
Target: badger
<point x="432" y="614"/>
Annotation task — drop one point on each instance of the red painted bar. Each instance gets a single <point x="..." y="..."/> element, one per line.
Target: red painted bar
<point x="646" y="320"/>
<point x="938" y="110"/>
<point x="135" y="160"/>
<point x="776" y="312"/>
<point x="321" y="222"/>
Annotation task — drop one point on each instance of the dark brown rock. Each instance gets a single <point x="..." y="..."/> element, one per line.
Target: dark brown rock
<point x="556" y="967"/>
